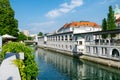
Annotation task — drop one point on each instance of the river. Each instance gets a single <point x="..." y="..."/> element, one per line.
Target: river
<point x="56" y="66"/>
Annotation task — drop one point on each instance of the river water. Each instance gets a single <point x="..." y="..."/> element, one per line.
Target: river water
<point x="56" y="66"/>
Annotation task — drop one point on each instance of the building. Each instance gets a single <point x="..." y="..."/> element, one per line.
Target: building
<point x="87" y="38"/>
<point x="26" y="33"/>
<point x="79" y="27"/>
<point x="117" y="15"/>
<point x="64" y="38"/>
<point x="118" y="23"/>
<point x="96" y="45"/>
<point x="117" y="12"/>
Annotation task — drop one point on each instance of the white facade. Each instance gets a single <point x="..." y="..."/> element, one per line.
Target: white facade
<point x="97" y="46"/>
<point x="117" y="11"/>
<point x="65" y="38"/>
<point x="26" y="32"/>
<point x="80" y="27"/>
<point x="118" y="23"/>
<point x="62" y="41"/>
<point x="84" y="29"/>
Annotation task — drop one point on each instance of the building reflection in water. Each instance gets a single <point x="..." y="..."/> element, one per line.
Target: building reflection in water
<point x="77" y="69"/>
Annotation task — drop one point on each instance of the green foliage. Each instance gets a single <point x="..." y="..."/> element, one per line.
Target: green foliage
<point x="8" y="24"/>
<point x="111" y="19"/>
<point x="29" y="38"/>
<point x="21" y="66"/>
<point x="21" y="37"/>
<point x="30" y="70"/>
<point x="109" y="24"/>
<point x="40" y="34"/>
<point x="104" y="28"/>
<point x="104" y="25"/>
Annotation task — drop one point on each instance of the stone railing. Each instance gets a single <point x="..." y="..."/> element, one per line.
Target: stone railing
<point x="8" y="70"/>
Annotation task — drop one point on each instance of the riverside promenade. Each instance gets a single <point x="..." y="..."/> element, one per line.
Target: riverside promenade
<point x="8" y="70"/>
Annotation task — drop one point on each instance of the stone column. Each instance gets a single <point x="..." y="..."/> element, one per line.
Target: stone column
<point x="99" y="39"/>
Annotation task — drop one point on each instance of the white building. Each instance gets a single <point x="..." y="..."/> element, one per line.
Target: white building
<point x="96" y="45"/>
<point x="117" y="15"/>
<point x="79" y="27"/>
<point x="117" y="12"/>
<point x="118" y="23"/>
<point x="65" y="39"/>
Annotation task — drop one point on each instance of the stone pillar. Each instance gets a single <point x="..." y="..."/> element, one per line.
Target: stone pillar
<point x="99" y="39"/>
<point x="109" y="43"/>
<point x="68" y="36"/>
<point x="21" y="55"/>
<point x="63" y="37"/>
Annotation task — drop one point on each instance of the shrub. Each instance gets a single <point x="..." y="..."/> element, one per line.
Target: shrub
<point x="29" y="66"/>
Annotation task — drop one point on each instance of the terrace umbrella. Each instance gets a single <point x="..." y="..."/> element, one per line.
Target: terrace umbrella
<point x="6" y="36"/>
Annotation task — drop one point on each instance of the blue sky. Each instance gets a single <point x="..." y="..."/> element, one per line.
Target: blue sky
<point x="49" y="15"/>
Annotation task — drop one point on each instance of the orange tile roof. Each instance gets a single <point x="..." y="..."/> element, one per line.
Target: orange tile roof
<point x="81" y="23"/>
<point x="66" y="25"/>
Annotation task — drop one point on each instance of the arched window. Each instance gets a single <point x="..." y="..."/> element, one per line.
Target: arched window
<point x="115" y="53"/>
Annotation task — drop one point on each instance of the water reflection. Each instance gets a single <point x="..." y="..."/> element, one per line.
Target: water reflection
<point x="55" y="66"/>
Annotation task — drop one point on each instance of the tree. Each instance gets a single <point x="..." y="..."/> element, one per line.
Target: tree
<point x="104" y="28"/>
<point x="40" y="34"/>
<point x="8" y="24"/>
<point x="29" y="38"/>
<point x="111" y="21"/>
<point x="21" y="37"/>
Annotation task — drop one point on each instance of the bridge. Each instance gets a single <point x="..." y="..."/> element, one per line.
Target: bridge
<point x="30" y="42"/>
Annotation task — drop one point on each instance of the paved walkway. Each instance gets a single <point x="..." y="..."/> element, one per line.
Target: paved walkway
<point x="9" y="71"/>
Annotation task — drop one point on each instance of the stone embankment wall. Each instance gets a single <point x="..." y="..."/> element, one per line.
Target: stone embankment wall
<point x="103" y="61"/>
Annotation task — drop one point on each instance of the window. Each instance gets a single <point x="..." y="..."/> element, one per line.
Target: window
<point x="80" y="42"/>
<point x="59" y="46"/>
<point x="66" y="47"/>
<point x="70" y="37"/>
<point x="58" y="38"/>
<point x="75" y="37"/>
<point x="62" y="38"/>
<point x="87" y="38"/>
<point x="70" y="47"/>
<point x="65" y="37"/>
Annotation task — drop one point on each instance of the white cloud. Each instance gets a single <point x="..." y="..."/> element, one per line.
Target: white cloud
<point x="40" y="24"/>
<point x="107" y="1"/>
<point x="64" y="8"/>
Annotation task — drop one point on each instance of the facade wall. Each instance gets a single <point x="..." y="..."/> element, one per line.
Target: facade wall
<point x="61" y="41"/>
<point x="26" y="32"/>
<point x="41" y="41"/>
<point x="84" y="29"/>
<point x="58" y="41"/>
<point x="117" y="16"/>
<point x="105" y="48"/>
<point x="66" y="39"/>
<point x="118" y="24"/>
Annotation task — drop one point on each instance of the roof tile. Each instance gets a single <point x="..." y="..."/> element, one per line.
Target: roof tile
<point x="81" y="23"/>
